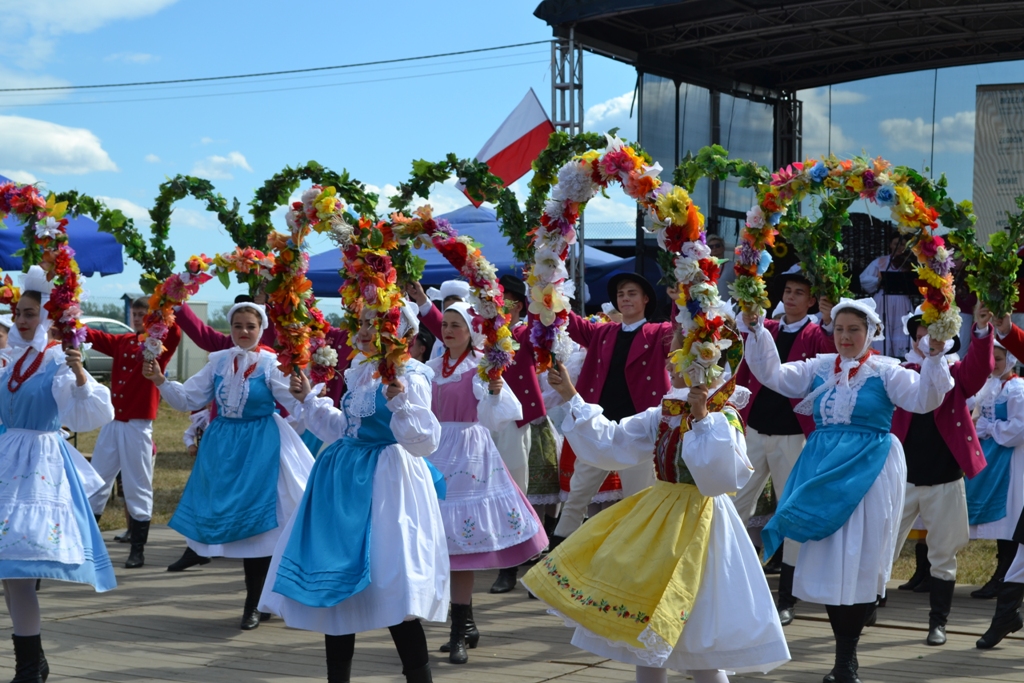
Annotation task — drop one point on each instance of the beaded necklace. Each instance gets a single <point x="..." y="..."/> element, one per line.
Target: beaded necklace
<point x="853" y="373"/>
<point x="17" y="378"/>
<point x="447" y="371"/>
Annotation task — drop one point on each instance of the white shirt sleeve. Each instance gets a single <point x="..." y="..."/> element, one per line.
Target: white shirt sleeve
<point x="81" y="408"/>
<point x="871" y="277"/>
<point x="792" y="380"/>
<point x="280" y="387"/>
<point x="321" y="417"/>
<point x="412" y="422"/>
<point x="608" y="445"/>
<point x="195" y="393"/>
<point x="497" y="411"/>
<point x="1010" y="432"/>
<point x="715" y="452"/>
<point x="919" y="392"/>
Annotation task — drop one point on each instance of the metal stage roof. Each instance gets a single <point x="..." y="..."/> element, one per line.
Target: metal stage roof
<point x="762" y="48"/>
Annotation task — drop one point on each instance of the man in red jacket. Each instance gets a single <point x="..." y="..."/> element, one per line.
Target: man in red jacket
<point x="941" y="447"/>
<point x="126" y="444"/>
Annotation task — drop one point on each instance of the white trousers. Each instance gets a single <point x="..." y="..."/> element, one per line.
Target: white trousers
<point x="125" y="447"/>
<point x="943" y="509"/>
<point x="513" y="444"/>
<point x="585" y="483"/>
<point x="773" y="456"/>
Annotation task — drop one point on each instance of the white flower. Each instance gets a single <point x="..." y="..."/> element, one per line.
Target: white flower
<point x="882" y="179"/>
<point x="947" y="326"/>
<point x="706" y="353"/>
<point x="186" y="277"/>
<point x="941" y="254"/>
<point x="309" y="196"/>
<point x="152" y="347"/>
<point x="755" y="218"/>
<point x="688" y="270"/>
<point x="706" y="294"/>
<point x="487" y="309"/>
<point x="569" y="289"/>
<point x="554" y="208"/>
<point x="615" y="143"/>
<point x="696" y="250"/>
<point x="548" y="266"/>
<point x="325" y="356"/>
<point x="47" y="228"/>
<point x="575" y="183"/>
<point x="292" y="220"/>
<point x="486" y="270"/>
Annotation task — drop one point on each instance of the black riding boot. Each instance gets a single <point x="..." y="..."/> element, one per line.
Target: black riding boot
<point x="1007" y="619"/>
<point x="786" y="600"/>
<point x="506" y="580"/>
<point x="30" y="664"/>
<point x="140" y="534"/>
<point x="941" y="599"/>
<point x="190" y="558"/>
<point x="339" y="650"/>
<point x="255" y="575"/>
<point x="847" y="622"/>
<point x="921" y="572"/>
<point x="458" y="644"/>
<point x="1005" y="552"/>
<point x="471" y="633"/>
<point x="845" y="668"/>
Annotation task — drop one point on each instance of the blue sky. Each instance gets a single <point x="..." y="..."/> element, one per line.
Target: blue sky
<point x="373" y="122"/>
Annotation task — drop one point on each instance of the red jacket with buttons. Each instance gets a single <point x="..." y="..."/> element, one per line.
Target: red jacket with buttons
<point x="521" y="375"/>
<point x="134" y="397"/>
<point x="952" y="418"/>
<point x="646" y="373"/>
<point x="810" y="341"/>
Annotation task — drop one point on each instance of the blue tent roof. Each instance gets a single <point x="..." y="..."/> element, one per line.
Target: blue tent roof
<point x="95" y="251"/>
<point x="479" y="223"/>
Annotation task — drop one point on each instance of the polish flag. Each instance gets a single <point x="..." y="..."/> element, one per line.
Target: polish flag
<point x="517" y="142"/>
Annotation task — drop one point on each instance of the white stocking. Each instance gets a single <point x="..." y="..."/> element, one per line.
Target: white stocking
<point x="20" y="595"/>
<point x="709" y="677"/>
<point x="648" y="674"/>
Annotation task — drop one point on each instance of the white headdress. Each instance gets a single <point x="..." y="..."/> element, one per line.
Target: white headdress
<point x="35" y="281"/>
<point x="464" y="309"/>
<point x="261" y="311"/>
<point x="6" y="321"/>
<point x="409" y="323"/>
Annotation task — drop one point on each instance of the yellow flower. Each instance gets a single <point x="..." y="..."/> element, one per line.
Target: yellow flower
<point x="54" y="208"/>
<point x="547" y="302"/>
<point x="674" y="206"/>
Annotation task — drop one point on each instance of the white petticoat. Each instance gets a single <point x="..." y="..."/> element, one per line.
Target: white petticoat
<point x="733" y="625"/>
<point x="1004" y="528"/>
<point x="296" y="462"/>
<point x="408" y="558"/>
<point x="853" y="565"/>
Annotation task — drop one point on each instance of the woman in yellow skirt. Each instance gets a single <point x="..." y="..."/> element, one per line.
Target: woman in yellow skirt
<point x="667" y="578"/>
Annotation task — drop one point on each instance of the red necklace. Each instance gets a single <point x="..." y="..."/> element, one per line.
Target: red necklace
<point x="249" y="371"/>
<point x="853" y="373"/>
<point x="447" y="371"/>
<point x="17" y="379"/>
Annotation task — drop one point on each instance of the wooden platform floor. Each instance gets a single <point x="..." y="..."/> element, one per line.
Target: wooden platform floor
<point x="160" y="626"/>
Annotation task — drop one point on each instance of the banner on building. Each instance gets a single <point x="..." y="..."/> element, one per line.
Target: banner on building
<point x="998" y="155"/>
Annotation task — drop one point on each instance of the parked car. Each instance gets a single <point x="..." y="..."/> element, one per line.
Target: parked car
<point x="99" y="364"/>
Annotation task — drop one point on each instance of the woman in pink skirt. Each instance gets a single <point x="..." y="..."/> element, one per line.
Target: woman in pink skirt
<point x="488" y="522"/>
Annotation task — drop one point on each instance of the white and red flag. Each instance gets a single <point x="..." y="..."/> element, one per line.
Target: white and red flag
<point x="517" y="142"/>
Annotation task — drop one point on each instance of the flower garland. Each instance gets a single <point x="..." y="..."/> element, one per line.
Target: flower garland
<point x="486" y="295"/>
<point x="579" y="181"/>
<point x="45" y="217"/>
<point x="371" y="282"/>
<point x="301" y="327"/>
<point x="839" y="183"/>
<point x="172" y="292"/>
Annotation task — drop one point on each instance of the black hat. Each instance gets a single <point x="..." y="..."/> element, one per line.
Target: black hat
<point x="514" y="286"/>
<point x="619" y="278"/>
<point x="915" y="321"/>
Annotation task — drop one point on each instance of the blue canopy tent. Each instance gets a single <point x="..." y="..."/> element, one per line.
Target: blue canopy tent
<point x="481" y="224"/>
<point x="95" y="251"/>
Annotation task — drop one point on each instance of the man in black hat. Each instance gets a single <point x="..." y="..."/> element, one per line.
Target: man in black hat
<point x="625" y="373"/>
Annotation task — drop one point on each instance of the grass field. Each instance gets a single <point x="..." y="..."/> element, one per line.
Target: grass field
<point x="173" y="465"/>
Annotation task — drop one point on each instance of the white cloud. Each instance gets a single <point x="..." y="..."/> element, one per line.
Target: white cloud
<point x="952" y="133"/>
<point x="16" y="79"/>
<point x="152" y="159"/>
<point x="616" y="208"/>
<point x="613" y="113"/>
<point x="50" y="148"/>
<point x="205" y="141"/>
<point x="131" y="57"/>
<point x="41" y="22"/>
<point x="816" y="120"/>
<point x="23" y="177"/>
<point x="193" y="218"/>
<point x="218" y="167"/>
<point x="130" y="209"/>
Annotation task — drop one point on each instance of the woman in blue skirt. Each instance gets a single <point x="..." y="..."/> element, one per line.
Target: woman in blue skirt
<point x="47" y="530"/>
<point x="251" y="467"/>
<point x="366" y="548"/>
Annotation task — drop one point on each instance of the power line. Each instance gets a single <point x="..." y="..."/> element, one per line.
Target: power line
<point x="277" y="73"/>
<point x="268" y="90"/>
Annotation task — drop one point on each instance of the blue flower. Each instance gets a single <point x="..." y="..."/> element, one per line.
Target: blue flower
<point x="886" y="195"/>
<point x="818" y="173"/>
<point x="764" y="263"/>
<point x="775" y="218"/>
